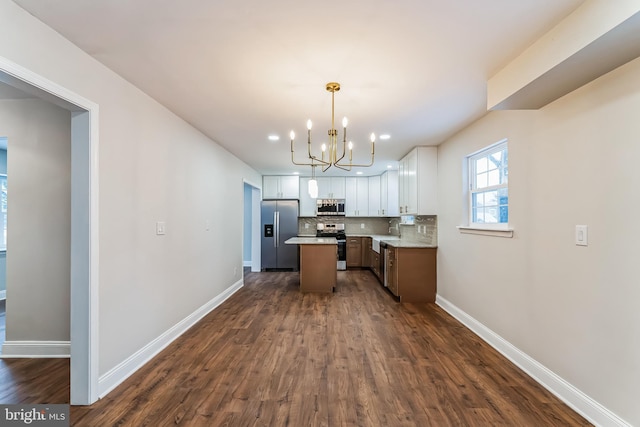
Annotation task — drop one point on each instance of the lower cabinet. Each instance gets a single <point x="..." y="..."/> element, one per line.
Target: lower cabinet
<point x="366" y="251"/>
<point x="354" y="252"/>
<point x="411" y="273"/>
<point x="374" y="264"/>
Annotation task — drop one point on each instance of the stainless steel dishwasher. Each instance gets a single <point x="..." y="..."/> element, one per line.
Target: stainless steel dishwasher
<point x="383" y="261"/>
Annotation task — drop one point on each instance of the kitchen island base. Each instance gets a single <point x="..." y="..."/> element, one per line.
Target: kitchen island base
<point x="318" y="268"/>
<point x="318" y="263"/>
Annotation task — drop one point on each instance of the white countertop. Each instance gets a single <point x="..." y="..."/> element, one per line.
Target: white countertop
<point x="312" y="241"/>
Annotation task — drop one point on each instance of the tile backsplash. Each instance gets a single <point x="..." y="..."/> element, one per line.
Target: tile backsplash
<point x="425" y="228"/>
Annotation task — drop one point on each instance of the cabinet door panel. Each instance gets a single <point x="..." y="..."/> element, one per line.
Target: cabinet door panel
<point x="290" y="187"/>
<point x="307" y="203"/>
<point x="374" y="196"/>
<point x="270" y="187"/>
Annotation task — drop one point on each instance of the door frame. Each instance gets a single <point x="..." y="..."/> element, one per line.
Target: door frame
<point x="84" y="224"/>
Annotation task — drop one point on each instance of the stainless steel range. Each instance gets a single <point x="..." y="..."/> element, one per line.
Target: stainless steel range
<point x="337" y="231"/>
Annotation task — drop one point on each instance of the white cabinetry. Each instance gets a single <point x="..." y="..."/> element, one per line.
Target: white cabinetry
<point x="280" y="187"/>
<point x="389" y="194"/>
<point x="331" y="188"/>
<point x="307" y="203"/>
<point x="357" y="196"/>
<point x="374" y="196"/>
<point x="418" y="175"/>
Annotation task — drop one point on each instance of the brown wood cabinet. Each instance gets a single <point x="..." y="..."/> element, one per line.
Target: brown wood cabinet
<point x="375" y="264"/>
<point x="354" y="252"/>
<point x="366" y="251"/>
<point x="318" y="271"/>
<point x="411" y="273"/>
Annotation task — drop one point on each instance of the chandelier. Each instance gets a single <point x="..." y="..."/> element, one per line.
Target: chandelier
<point x="329" y="156"/>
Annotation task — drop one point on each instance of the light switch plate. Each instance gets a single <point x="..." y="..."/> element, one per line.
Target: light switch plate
<point x="160" y="228"/>
<point x="582" y="235"/>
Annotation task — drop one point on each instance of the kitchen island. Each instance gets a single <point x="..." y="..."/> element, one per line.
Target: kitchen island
<point x="318" y="263"/>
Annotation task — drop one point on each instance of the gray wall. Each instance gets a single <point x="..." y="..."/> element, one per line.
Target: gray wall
<point x="38" y="239"/>
<point x="153" y="166"/>
<point x="573" y="309"/>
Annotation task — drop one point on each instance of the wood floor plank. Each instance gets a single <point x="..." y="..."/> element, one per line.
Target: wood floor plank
<point x="271" y="355"/>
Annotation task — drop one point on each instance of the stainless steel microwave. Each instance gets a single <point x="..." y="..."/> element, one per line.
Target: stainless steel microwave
<point x="327" y="207"/>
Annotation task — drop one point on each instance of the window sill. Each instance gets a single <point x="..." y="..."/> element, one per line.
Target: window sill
<point x="494" y="232"/>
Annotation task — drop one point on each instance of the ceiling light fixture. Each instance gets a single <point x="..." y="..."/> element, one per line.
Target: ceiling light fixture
<point x="274" y="138"/>
<point x="385" y="136"/>
<point x="331" y="149"/>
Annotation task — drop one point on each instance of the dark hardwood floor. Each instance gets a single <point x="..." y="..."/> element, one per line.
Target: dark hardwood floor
<point x="272" y="356"/>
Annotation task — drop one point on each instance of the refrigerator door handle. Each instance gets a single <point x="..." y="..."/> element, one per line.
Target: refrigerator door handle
<point x="277" y="240"/>
<point x="275" y="232"/>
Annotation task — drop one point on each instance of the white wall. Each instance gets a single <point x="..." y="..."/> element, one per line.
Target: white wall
<point x="38" y="259"/>
<point x="573" y="309"/>
<point x="153" y="166"/>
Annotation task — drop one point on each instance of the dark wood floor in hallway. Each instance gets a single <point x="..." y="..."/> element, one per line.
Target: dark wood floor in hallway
<point x="272" y="356"/>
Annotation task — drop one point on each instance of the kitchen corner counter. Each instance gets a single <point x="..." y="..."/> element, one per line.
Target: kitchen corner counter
<point x="408" y="244"/>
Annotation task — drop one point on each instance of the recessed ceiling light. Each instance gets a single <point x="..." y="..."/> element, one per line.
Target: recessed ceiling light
<point x="296" y="173"/>
<point x="385" y="136"/>
<point x="389" y="166"/>
<point x="359" y="173"/>
<point x="274" y="138"/>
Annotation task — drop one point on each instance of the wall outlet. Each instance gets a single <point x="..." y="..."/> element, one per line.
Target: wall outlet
<point x="306" y="225"/>
<point x="362" y="226"/>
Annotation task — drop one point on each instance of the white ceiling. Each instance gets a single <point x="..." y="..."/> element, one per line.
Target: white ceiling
<point x="240" y="71"/>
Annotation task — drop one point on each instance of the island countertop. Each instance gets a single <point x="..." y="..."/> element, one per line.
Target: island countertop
<point x="312" y="241"/>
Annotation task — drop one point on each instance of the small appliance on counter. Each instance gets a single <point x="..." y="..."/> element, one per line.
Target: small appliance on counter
<point x="337" y="231"/>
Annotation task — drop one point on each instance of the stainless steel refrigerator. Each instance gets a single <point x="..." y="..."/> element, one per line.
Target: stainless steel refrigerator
<point x="279" y="222"/>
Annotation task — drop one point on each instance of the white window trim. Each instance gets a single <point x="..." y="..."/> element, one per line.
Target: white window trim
<point x="483" y="229"/>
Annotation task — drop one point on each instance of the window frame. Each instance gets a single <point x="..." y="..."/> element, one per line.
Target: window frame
<point x="501" y="229"/>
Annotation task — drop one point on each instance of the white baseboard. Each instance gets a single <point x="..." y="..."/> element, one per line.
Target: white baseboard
<point x="577" y="400"/>
<point x="36" y="349"/>
<point x="125" y="369"/>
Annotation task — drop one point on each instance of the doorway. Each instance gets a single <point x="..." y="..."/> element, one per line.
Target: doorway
<point x="251" y="228"/>
<point x="84" y="224"/>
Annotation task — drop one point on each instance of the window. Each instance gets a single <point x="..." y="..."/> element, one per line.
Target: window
<point x="488" y="186"/>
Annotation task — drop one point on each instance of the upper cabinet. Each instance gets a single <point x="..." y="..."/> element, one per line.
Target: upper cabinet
<point x="357" y="196"/>
<point x="331" y="187"/>
<point x="307" y="203"/>
<point x="280" y="187"/>
<point x="418" y="174"/>
<point x="374" y="196"/>
<point x="389" y="194"/>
